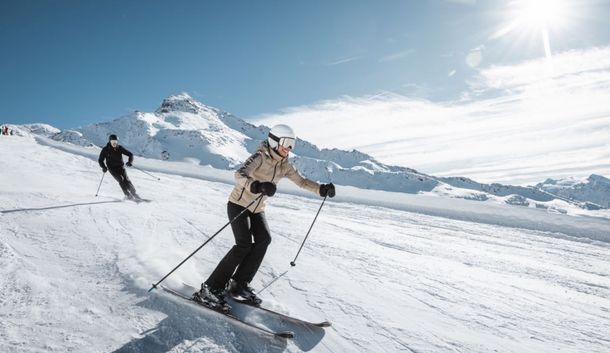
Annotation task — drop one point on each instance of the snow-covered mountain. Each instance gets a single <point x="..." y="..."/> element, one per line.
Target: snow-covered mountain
<point x="183" y="129"/>
<point x="585" y="195"/>
<point x="595" y="188"/>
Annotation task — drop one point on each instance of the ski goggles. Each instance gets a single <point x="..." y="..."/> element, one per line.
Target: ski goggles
<point x="287" y="142"/>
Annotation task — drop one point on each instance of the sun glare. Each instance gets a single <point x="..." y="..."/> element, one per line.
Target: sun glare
<point x="542" y="13"/>
<point x="536" y="19"/>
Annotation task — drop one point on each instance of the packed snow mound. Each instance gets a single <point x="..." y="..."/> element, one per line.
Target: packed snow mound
<point x="37" y="129"/>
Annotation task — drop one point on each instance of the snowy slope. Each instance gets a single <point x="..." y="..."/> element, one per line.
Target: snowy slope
<point x="394" y="272"/>
<point x="183" y="129"/>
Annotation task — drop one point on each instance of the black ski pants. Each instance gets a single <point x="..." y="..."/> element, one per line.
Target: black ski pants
<point x="251" y="241"/>
<point x="120" y="174"/>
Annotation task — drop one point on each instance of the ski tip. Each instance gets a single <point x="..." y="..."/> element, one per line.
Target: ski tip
<point x="324" y="324"/>
<point x="285" y="334"/>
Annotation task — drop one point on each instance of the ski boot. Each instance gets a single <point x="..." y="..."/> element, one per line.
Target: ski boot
<point x="136" y="197"/>
<point x="242" y="292"/>
<point x="212" y="298"/>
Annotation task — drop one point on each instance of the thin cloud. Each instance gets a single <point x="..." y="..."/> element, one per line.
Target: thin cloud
<point x="397" y="56"/>
<point x="564" y="66"/>
<point x="463" y="2"/>
<point x="343" y="61"/>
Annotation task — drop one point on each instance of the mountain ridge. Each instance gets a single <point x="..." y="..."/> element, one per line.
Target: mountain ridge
<point x="184" y="129"/>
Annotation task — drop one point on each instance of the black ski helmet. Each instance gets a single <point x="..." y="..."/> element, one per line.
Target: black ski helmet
<point x="112" y="137"/>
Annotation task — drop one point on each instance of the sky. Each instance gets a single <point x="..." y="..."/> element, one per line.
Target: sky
<point x="446" y="76"/>
<point x="71" y="63"/>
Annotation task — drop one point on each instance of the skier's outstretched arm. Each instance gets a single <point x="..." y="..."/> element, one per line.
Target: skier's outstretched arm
<point x="301" y="181"/>
<point x="320" y="189"/>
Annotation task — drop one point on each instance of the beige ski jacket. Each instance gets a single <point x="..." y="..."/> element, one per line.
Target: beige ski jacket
<point x="265" y="165"/>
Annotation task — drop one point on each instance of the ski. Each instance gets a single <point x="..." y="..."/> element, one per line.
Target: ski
<point x="142" y="200"/>
<point x="273" y="312"/>
<point x="278" y="314"/>
<point x="138" y="200"/>
<point x="280" y="334"/>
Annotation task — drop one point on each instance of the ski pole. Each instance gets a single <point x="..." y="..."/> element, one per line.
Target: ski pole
<point x="293" y="262"/>
<point x="99" y="186"/>
<point x="145" y="172"/>
<point x="207" y="241"/>
<point x="272" y="281"/>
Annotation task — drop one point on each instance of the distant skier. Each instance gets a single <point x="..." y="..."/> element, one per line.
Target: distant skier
<point x="259" y="174"/>
<point x="113" y="153"/>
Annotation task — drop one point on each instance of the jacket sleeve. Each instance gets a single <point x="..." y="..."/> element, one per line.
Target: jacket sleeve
<point x="300" y="181"/>
<point x="243" y="176"/>
<point x="101" y="158"/>
<point x="127" y="153"/>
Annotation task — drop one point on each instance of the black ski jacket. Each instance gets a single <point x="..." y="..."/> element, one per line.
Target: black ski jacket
<point x="114" y="156"/>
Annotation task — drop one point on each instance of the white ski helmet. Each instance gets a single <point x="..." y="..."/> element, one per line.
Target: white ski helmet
<point x="282" y="135"/>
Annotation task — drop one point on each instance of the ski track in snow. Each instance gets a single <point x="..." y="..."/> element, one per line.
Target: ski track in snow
<point x="75" y="270"/>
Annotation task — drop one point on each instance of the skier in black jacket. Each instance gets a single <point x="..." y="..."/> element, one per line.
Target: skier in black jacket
<point x="113" y="154"/>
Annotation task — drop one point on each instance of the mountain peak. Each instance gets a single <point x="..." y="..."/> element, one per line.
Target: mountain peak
<point x="594" y="178"/>
<point x="181" y="102"/>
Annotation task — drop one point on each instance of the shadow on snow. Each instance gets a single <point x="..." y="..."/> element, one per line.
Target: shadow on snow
<point x="190" y="324"/>
<point x="58" y="206"/>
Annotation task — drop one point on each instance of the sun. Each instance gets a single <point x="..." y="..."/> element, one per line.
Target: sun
<point x="541" y="13"/>
<point x="536" y="19"/>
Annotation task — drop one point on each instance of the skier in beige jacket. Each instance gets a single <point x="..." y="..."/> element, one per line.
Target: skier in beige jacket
<point x="258" y="175"/>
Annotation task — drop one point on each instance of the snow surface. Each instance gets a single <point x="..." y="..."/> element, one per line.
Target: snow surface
<point x="393" y="272"/>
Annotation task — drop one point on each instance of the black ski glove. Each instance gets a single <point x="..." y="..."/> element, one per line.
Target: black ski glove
<point x="129" y="164"/>
<point x="266" y="187"/>
<point x="104" y="169"/>
<point x="327" y="190"/>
